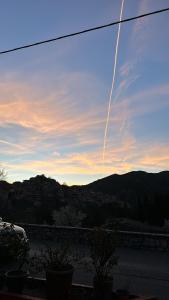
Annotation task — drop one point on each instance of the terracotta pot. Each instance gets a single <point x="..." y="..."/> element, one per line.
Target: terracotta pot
<point x="102" y="288"/>
<point x="59" y="283"/>
<point x="15" y="280"/>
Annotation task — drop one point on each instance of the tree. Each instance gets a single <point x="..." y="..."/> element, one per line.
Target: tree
<point x="2" y="174"/>
<point x="68" y="216"/>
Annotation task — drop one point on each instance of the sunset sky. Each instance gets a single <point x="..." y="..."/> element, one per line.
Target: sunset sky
<point x="54" y="97"/>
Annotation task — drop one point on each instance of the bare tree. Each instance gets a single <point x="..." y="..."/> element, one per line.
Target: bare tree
<point x="2" y="174"/>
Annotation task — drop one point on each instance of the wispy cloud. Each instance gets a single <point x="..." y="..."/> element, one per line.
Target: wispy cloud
<point x="137" y="157"/>
<point x="60" y="111"/>
<point x="35" y="127"/>
<point x="135" y="101"/>
<point x="125" y="152"/>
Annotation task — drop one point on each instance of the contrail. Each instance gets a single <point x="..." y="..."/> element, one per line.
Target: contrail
<point x="113" y="81"/>
<point x="11" y="144"/>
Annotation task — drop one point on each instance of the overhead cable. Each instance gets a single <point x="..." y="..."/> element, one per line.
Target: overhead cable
<point x="83" y="31"/>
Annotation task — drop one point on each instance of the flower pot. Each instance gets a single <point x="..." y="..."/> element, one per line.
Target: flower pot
<point x="59" y="283"/>
<point x="15" y="280"/>
<point x="102" y="288"/>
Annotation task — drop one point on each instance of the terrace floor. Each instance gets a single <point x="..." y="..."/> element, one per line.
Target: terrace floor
<point x="144" y="272"/>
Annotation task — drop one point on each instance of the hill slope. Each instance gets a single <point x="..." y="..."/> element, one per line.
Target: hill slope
<point x="138" y="182"/>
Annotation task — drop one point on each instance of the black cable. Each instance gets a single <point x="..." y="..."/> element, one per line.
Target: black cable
<point x="84" y="31"/>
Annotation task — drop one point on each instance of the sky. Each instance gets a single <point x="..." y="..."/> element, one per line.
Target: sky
<point x="54" y="97"/>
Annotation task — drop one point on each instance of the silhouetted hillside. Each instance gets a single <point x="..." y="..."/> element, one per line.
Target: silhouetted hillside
<point x="138" y="196"/>
<point x="137" y="182"/>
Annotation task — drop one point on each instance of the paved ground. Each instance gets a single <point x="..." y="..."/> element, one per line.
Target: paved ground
<point x="141" y="271"/>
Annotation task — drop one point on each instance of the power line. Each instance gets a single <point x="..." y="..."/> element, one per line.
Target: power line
<point x="83" y="31"/>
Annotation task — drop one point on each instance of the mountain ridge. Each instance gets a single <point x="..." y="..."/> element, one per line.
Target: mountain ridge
<point x="136" y="195"/>
<point x="138" y="181"/>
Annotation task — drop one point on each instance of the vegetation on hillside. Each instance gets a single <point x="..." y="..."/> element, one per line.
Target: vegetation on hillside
<point x="138" y="196"/>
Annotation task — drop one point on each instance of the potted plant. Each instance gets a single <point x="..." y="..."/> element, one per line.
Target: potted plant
<point x="102" y="251"/>
<point x="18" y="252"/>
<point x="59" y="272"/>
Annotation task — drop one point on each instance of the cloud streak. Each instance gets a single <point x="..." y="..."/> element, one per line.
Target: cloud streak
<point x="67" y="131"/>
<point x="154" y="158"/>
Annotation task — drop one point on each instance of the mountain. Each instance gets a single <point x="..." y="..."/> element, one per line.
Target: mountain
<point x="137" y="182"/>
<point x="136" y="195"/>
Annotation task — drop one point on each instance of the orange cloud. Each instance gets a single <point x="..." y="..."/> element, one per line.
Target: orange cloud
<point x="128" y="156"/>
<point x="61" y="115"/>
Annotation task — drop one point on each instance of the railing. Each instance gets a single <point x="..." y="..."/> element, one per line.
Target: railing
<point x="78" y="235"/>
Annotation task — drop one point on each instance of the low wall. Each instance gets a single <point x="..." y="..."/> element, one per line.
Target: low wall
<point x="76" y="236"/>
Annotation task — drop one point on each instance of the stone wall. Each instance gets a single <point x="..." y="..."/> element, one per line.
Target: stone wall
<point x="76" y="236"/>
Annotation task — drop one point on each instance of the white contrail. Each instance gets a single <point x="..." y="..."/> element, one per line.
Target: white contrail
<point x="113" y="80"/>
<point x="11" y="144"/>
